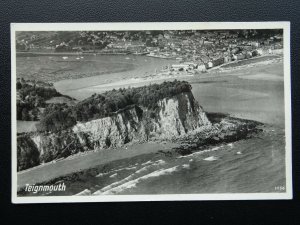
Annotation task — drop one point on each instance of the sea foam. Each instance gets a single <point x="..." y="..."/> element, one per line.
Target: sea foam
<point x="200" y="152"/>
<point x="133" y="183"/>
<point x="84" y="193"/>
<point x="132" y="176"/>
<point x="211" y="158"/>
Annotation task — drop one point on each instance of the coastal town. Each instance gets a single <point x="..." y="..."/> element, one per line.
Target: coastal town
<point x="194" y="51"/>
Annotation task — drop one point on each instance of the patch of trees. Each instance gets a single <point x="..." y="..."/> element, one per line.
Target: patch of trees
<point x="58" y="117"/>
<point x="31" y="96"/>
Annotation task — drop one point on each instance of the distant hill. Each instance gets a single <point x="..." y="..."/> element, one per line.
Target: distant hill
<point x="87" y="40"/>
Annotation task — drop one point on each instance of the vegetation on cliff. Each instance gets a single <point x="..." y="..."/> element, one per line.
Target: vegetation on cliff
<point x="31" y="97"/>
<point x="59" y="117"/>
<point x="111" y="119"/>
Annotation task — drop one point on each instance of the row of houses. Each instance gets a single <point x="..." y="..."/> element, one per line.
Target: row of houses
<point x="213" y="62"/>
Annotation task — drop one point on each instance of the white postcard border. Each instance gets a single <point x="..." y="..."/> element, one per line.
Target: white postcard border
<point x="155" y="26"/>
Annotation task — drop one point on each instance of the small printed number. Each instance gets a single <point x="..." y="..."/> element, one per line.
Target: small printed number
<point x="279" y="188"/>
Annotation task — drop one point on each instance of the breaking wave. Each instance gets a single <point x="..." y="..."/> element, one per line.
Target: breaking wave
<point x="113" y="175"/>
<point x="201" y="152"/>
<point x="132" y="183"/>
<point x="140" y="175"/>
<point x="84" y="193"/>
<point x="116" y="170"/>
<point x="130" y="177"/>
<point x="211" y="158"/>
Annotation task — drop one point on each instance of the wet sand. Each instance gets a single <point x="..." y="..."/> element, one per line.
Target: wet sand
<point x="141" y="66"/>
<point x="256" y="93"/>
<point x="84" y="161"/>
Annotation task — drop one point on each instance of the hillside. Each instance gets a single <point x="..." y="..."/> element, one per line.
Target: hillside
<point x="34" y="96"/>
<point x="154" y="113"/>
<point x="115" y="118"/>
<point x="58" y="117"/>
<point x="96" y="40"/>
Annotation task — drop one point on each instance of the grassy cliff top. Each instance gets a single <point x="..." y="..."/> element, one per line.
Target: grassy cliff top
<point x="57" y="117"/>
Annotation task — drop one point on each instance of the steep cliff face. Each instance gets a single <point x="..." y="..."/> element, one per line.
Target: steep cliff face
<point x="180" y="115"/>
<point x="37" y="148"/>
<point x="56" y="145"/>
<point x="172" y="118"/>
<point x="27" y="153"/>
<point x="114" y="131"/>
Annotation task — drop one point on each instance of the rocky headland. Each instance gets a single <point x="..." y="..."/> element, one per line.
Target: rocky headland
<point x="165" y="112"/>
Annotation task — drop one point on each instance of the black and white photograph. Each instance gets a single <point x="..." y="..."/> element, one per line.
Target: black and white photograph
<point x="150" y="111"/>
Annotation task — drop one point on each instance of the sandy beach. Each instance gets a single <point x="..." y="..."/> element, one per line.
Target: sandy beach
<point x="252" y="91"/>
<point x="76" y="163"/>
<point x="140" y="66"/>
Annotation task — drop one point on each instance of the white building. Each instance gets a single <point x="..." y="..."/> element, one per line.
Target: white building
<point x="201" y="67"/>
<point x="210" y="64"/>
<point x="178" y="67"/>
<point x="259" y="51"/>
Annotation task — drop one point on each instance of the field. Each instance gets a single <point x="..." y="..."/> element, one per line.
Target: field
<point x="26" y="126"/>
<point x="61" y="100"/>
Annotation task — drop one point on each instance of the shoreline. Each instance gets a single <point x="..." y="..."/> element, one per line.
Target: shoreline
<point x="206" y="138"/>
<point x="45" y="53"/>
<point x="215" y="72"/>
<point x="228" y="154"/>
<point x="214" y="151"/>
<point x="95" y="158"/>
<point x="32" y="54"/>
